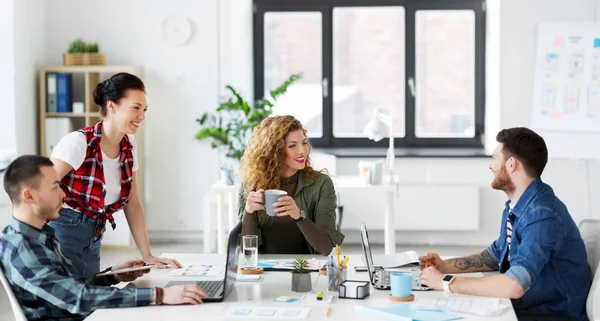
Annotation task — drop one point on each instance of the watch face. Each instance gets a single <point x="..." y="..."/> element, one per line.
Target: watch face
<point x="447" y="278"/>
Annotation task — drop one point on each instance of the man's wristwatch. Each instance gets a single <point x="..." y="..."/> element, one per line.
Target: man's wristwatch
<point x="446" y="282"/>
<point x="302" y="216"/>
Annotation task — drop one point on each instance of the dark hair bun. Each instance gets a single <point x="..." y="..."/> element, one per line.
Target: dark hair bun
<point x="98" y="95"/>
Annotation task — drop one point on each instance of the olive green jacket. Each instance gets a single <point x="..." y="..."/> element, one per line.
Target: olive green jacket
<point x="316" y="196"/>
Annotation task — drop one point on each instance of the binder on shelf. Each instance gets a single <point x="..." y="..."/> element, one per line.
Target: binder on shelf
<point x="64" y="92"/>
<point x="52" y="103"/>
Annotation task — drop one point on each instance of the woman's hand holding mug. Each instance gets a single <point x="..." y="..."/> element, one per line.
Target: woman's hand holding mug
<point x="255" y="201"/>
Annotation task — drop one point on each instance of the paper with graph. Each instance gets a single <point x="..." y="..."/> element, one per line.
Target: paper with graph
<point x="266" y="312"/>
<point x="476" y="306"/>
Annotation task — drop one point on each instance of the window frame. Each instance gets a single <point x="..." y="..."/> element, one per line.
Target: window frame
<point x="410" y="140"/>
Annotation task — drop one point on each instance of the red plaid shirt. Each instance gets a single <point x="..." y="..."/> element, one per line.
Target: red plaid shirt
<point x="85" y="187"/>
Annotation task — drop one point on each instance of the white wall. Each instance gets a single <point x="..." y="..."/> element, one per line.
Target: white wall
<point x="30" y="53"/>
<point x="7" y="77"/>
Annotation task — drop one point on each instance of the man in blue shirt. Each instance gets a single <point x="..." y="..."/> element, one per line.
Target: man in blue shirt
<point x="39" y="274"/>
<point x="539" y="253"/>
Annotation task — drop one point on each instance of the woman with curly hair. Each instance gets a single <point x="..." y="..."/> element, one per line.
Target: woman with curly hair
<point x="277" y="157"/>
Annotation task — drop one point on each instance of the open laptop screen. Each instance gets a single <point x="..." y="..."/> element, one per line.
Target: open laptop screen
<point x="231" y="265"/>
<point x="364" y="236"/>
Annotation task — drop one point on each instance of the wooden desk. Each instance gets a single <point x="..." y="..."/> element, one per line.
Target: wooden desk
<point x="272" y="285"/>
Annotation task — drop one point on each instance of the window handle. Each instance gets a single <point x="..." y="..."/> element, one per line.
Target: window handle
<point x="325" y="87"/>
<point x="411" y="86"/>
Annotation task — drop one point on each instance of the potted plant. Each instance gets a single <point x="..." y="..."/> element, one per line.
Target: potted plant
<point x="82" y="53"/>
<point x="301" y="280"/>
<point x="229" y="129"/>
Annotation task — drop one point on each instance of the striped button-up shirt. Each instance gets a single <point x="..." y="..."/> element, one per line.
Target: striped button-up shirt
<point x="40" y="278"/>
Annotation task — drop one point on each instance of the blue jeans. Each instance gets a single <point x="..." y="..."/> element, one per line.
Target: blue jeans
<point x="76" y="234"/>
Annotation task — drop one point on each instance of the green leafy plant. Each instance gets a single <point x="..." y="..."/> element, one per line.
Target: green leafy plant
<point x="300" y="264"/>
<point x="229" y="129"/>
<point x="77" y="46"/>
<point x="80" y="46"/>
<point x="91" y="47"/>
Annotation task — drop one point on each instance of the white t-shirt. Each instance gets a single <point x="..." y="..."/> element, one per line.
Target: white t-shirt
<point x="72" y="148"/>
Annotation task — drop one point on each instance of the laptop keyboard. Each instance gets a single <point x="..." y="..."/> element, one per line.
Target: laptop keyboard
<point x="213" y="288"/>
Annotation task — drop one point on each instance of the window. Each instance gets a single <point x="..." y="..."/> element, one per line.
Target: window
<point x="419" y="62"/>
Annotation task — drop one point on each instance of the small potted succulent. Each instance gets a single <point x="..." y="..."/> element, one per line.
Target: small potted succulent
<point x="301" y="280"/>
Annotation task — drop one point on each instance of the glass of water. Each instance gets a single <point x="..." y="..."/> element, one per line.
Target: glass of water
<point x="250" y="243"/>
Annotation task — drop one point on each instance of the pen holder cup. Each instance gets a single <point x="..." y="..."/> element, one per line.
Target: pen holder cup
<point x="335" y="277"/>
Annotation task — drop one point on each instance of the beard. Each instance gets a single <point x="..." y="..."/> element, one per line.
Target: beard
<point x="503" y="182"/>
<point x="50" y="212"/>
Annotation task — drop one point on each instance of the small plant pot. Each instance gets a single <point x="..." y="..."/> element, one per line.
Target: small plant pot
<point x="301" y="282"/>
<point x="88" y="58"/>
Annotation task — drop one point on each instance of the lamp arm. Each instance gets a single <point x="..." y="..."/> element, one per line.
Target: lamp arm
<point x="390" y="154"/>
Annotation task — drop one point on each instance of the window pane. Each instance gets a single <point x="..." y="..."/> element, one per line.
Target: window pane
<point x="368" y="68"/>
<point x="445" y="73"/>
<point x="293" y="45"/>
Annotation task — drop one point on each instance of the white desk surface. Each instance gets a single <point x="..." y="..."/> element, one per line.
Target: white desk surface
<point x="263" y="292"/>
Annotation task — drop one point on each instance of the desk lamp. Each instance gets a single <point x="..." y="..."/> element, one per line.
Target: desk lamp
<point x="376" y="130"/>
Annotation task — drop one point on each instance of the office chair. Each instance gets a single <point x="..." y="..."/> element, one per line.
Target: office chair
<point x="16" y="307"/>
<point x="590" y="233"/>
<point x="339" y="212"/>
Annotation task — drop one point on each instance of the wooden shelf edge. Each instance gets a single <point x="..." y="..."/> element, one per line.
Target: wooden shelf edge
<point x="91" y="68"/>
<point x="66" y="115"/>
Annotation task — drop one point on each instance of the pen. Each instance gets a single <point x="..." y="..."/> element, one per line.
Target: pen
<point x="337" y="253"/>
<point x="328" y="311"/>
<point x="345" y="261"/>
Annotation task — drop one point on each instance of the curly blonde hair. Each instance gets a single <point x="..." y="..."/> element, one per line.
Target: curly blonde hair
<point x="265" y="155"/>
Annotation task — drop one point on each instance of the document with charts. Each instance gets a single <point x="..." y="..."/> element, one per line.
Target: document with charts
<point x="464" y="304"/>
<point x="266" y="313"/>
<point x="198" y="270"/>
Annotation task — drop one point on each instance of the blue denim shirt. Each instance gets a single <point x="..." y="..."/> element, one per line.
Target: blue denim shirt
<point x="547" y="255"/>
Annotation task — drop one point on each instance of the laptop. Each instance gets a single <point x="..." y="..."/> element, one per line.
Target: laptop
<point x="379" y="276"/>
<point x="404" y="259"/>
<point x="217" y="291"/>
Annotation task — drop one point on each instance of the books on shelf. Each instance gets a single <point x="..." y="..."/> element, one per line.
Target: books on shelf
<point x="51" y="93"/>
<point x="64" y="92"/>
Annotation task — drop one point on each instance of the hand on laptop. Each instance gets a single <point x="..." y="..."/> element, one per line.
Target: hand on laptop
<point x="131" y="276"/>
<point x="432" y="259"/>
<point x="183" y="294"/>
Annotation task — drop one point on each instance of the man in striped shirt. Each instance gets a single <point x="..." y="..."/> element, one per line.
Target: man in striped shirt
<point x="540" y="254"/>
<point x="39" y="274"/>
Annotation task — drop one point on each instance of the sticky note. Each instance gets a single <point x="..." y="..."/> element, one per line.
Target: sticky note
<point x="559" y="42"/>
<point x="285" y="299"/>
<point x="242" y="312"/>
<point x="596" y="42"/>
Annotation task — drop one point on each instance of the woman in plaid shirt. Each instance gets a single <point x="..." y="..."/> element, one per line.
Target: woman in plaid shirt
<point x="97" y="168"/>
